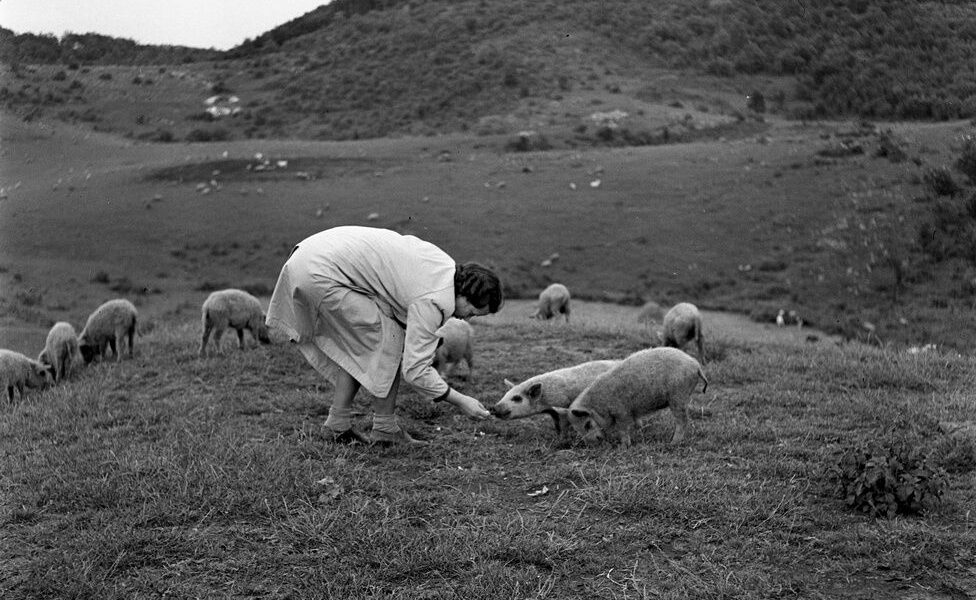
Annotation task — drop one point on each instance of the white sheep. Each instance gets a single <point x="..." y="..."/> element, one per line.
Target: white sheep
<point x="236" y="309"/>
<point x="456" y="344"/>
<point x="18" y="372"/>
<point x="552" y="301"/>
<point x="61" y="350"/>
<point x="541" y="394"/>
<point x="650" y="312"/>
<point x="682" y="324"/>
<point x="108" y="327"/>
<point x="645" y="381"/>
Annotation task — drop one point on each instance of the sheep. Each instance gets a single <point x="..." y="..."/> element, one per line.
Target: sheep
<point x="645" y="381"/>
<point x="106" y="328"/>
<point x="682" y="324"/>
<point x="541" y="394"/>
<point x="553" y="300"/>
<point x="455" y="344"/>
<point x="18" y="372"/>
<point x="61" y="350"/>
<point x="650" y="312"/>
<point x="232" y="308"/>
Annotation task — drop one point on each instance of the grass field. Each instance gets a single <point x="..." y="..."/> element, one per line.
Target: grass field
<point x="748" y="225"/>
<point x="168" y="475"/>
<point x="174" y="476"/>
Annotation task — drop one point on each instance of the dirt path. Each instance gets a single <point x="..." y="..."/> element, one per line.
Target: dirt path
<point x="716" y="324"/>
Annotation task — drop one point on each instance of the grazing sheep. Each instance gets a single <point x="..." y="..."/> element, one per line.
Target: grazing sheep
<point x="106" y="328"/>
<point x="682" y="324"/>
<point x="60" y="351"/>
<point x="233" y="308"/>
<point x="645" y="381"/>
<point x="552" y="301"/>
<point x="456" y="337"/>
<point x="542" y="393"/>
<point x="18" y="372"/>
<point x="651" y="312"/>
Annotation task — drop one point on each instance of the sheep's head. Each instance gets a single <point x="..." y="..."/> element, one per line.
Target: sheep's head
<point x="588" y="423"/>
<point x="88" y="351"/>
<point x="261" y="330"/>
<point x="520" y="401"/>
<point x="42" y="375"/>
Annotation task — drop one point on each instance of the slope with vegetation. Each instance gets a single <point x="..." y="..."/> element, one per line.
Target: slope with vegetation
<point x="368" y="68"/>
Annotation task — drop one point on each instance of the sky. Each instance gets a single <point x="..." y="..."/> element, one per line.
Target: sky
<point x="220" y="24"/>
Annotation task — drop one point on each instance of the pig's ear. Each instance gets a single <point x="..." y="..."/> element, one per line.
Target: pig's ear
<point x="560" y="417"/>
<point x="509" y="383"/>
<point x="580" y="413"/>
<point x="534" y="391"/>
<point x="43" y="370"/>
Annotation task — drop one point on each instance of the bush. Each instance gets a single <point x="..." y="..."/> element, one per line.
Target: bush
<point x="889" y="147"/>
<point x="756" y="102"/>
<point x="940" y="181"/>
<point x="966" y="163"/>
<point x="528" y="141"/>
<point x="888" y="479"/>
<point x="208" y="135"/>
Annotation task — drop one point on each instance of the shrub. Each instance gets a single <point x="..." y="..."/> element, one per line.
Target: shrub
<point x="208" y="135"/>
<point x="940" y="181"/>
<point x="29" y="297"/>
<point x="888" y="479"/>
<point x="966" y="163"/>
<point x="162" y="135"/>
<point x="528" y="141"/>
<point x="756" y="102"/>
<point x="889" y="147"/>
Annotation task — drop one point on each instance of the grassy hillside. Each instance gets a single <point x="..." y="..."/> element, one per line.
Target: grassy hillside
<point x="855" y="241"/>
<point x="171" y="475"/>
<point x="664" y="163"/>
<point x="355" y="69"/>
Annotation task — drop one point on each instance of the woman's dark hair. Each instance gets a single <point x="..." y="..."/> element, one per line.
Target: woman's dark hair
<point x="479" y="285"/>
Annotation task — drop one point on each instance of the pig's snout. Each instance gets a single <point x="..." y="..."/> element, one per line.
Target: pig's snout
<point x="502" y="412"/>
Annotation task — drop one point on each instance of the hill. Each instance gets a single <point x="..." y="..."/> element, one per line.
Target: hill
<point x="633" y="139"/>
<point x="359" y="69"/>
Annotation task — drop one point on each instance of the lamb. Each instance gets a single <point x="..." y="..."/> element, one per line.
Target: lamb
<point x="682" y="324"/>
<point x="541" y="394"/>
<point x="645" y="381"/>
<point x="232" y="308"/>
<point x="18" y="372"/>
<point x="456" y="337"/>
<point x="106" y="328"/>
<point x="552" y="301"/>
<point x="650" y="312"/>
<point x="61" y="350"/>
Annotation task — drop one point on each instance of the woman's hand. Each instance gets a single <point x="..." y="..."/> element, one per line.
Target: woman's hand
<point x="467" y="405"/>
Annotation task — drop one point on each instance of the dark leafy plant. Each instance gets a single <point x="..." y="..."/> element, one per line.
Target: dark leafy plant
<point x="888" y="479"/>
<point x="966" y="162"/>
<point x="940" y="181"/>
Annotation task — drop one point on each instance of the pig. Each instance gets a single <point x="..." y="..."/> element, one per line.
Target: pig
<point x="645" y="381"/>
